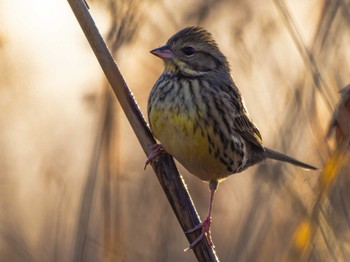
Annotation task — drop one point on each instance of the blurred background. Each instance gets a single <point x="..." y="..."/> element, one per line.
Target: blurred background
<point x="72" y="184"/>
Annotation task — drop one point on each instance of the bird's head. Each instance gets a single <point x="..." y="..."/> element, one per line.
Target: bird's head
<point x="192" y="52"/>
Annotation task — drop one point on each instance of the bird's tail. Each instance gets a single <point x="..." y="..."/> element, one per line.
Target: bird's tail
<point x="269" y="153"/>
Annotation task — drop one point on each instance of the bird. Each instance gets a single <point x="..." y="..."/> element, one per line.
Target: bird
<point x="198" y="115"/>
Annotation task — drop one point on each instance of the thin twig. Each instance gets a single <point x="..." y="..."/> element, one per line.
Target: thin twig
<point x="88" y="192"/>
<point x="165" y="169"/>
<point x="306" y="55"/>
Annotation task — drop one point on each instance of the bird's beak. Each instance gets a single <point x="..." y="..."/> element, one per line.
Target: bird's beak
<point x="163" y="52"/>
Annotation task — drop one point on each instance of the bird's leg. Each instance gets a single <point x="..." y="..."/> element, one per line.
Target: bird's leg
<point x="157" y="149"/>
<point x="205" y="225"/>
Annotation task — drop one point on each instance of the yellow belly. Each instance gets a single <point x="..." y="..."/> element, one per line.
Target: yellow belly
<point x="186" y="140"/>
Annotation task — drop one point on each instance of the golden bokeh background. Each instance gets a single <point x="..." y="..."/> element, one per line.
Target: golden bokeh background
<point x="72" y="184"/>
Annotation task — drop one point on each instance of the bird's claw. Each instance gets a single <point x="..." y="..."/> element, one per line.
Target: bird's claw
<point x="205" y="227"/>
<point x="157" y="149"/>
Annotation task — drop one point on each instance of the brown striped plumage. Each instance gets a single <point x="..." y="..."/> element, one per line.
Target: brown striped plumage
<point x="197" y="113"/>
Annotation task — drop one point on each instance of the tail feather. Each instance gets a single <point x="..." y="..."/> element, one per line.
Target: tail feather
<point x="269" y="153"/>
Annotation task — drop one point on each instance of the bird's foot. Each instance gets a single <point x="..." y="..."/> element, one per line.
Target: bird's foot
<point x="157" y="149"/>
<point x="205" y="227"/>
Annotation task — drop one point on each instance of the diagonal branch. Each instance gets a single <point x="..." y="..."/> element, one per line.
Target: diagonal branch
<point x="167" y="174"/>
<point x="306" y="54"/>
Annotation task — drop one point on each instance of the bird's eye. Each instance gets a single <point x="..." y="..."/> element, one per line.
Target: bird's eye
<point x="188" y="50"/>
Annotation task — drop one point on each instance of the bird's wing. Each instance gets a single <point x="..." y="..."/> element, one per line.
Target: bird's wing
<point x="242" y="123"/>
<point x="247" y="129"/>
